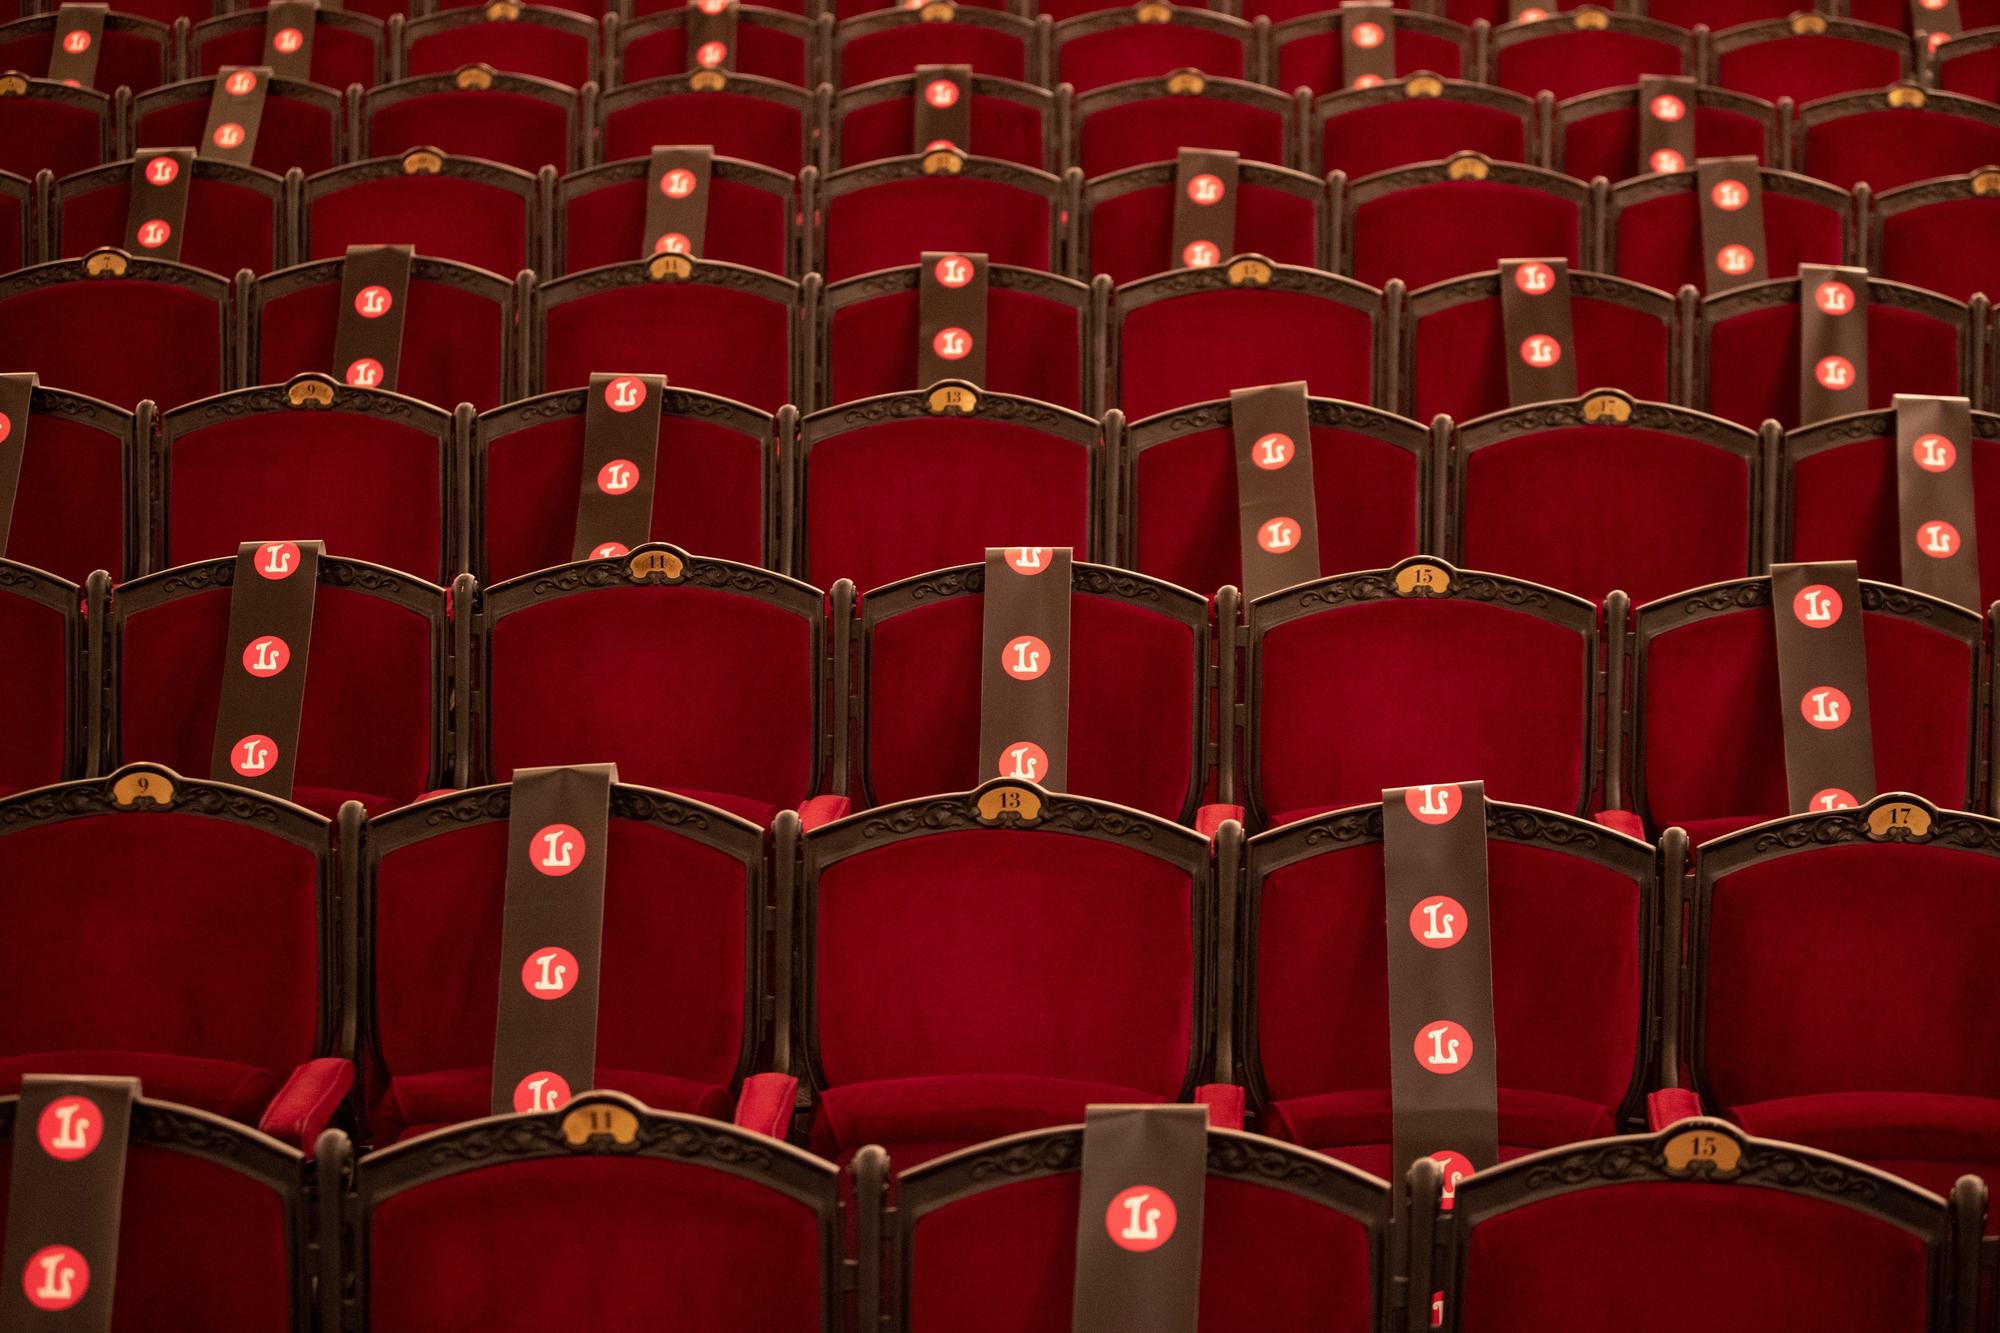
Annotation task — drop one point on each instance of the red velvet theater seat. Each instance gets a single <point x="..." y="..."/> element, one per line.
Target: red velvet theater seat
<point x="1933" y="234"/>
<point x="1808" y="56"/>
<point x="1894" y="137"/>
<point x="1455" y="358"/>
<point x="1572" y="1238"/>
<point x="680" y="1013"/>
<point x="1708" y="730"/>
<point x="1652" y="230"/>
<point x="753" y="217"/>
<point x="898" y="485"/>
<point x="119" y="328"/>
<point x="743" y="725"/>
<point x="1290" y="1242"/>
<point x="361" y="469"/>
<point x="174" y="931"/>
<point x="1597" y="134"/>
<point x="536" y="40"/>
<point x="160" y="11"/>
<point x="460" y="208"/>
<point x="1586" y="49"/>
<point x="303" y="125"/>
<point x="1138" y="698"/>
<point x="1439" y="220"/>
<point x="888" y="213"/>
<point x="1572" y="910"/>
<point x="1972" y="14"/>
<point x="513" y="119"/>
<point x="347" y="45"/>
<point x="1365" y="130"/>
<point x="1143" y="42"/>
<point x="637" y="1216"/>
<point x="963" y="975"/>
<point x="717" y="483"/>
<point x="1309" y="51"/>
<point x="1010" y="120"/>
<point x="1198" y="334"/>
<point x="890" y="41"/>
<point x="769" y="43"/>
<point x="1128" y="219"/>
<point x="1839" y="991"/>
<point x="1040" y="334"/>
<point x="235" y="216"/>
<point x="1717" y="14"/>
<point x="1837" y="498"/>
<point x="373" y="723"/>
<point x="45" y="126"/>
<point x="704" y="325"/>
<point x="1969" y="64"/>
<point x="739" y="115"/>
<point x="76" y="499"/>
<point x="1918" y="342"/>
<point x="41" y="678"/>
<point x="1178" y="477"/>
<point x="459" y="337"/>
<point x="133" y="52"/>
<point x="212" y="1223"/>
<point x="17" y="229"/>
<point x="1606" y="492"/>
<point x="1366" y="681"/>
<point x="1150" y="120"/>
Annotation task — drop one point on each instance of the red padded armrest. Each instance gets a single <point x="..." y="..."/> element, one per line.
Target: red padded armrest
<point x="765" y="1104"/>
<point x="1622" y="821"/>
<point x="1668" y="1105"/>
<point x="1212" y="817"/>
<point x="308" y="1100"/>
<point x="820" y="810"/>
<point x="1224" y="1102"/>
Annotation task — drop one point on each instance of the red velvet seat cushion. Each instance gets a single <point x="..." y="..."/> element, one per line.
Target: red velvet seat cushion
<point x="1805" y="68"/>
<point x="1131" y="234"/>
<point x="1155" y="129"/>
<point x="755" y="129"/>
<point x="1929" y="1139"/>
<point x="292" y="133"/>
<point x="36" y="135"/>
<point x="746" y="226"/>
<point x="1891" y="147"/>
<point x="1939" y="246"/>
<point x="1003" y="129"/>
<point x="1461" y="355"/>
<point x="1753" y="361"/>
<point x="1147" y="50"/>
<point x="1397" y="134"/>
<point x="1189" y="349"/>
<point x="895" y="222"/>
<point x="717" y="339"/>
<point x="445" y="217"/>
<point x="917" y="1119"/>
<point x="1356" y="1126"/>
<point x="36" y="664"/>
<point x="453" y="351"/>
<point x="1427" y="233"/>
<point x="1659" y="240"/>
<point x="117" y="339"/>
<point x="226" y="226"/>
<point x="1570" y="62"/>
<point x="1034" y="348"/>
<point x="499" y="126"/>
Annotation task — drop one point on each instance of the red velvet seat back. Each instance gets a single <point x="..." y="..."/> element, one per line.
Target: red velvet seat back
<point x="294" y="132"/>
<point x="1391" y="134"/>
<point x="341" y="55"/>
<point x="772" y="51"/>
<point x="746" y="120"/>
<point x="747" y="224"/>
<point x="1940" y="246"/>
<point x="887" y="51"/>
<point x="1571" y="61"/>
<point x="1972" y="14"/>
<point x="494" y="123"/>
<point x="1606" y="141"/>
<point x="1717" y="14"/>
<point x="446" y="217"/>
<point x="1752" y="365"/>
<point x="1115" y="135"/>
<point x="1036" y="344"/>
<point x="1888" y="147"/>
<point x="119" y="339"/>
<point x="893" y="221"/>
<point x="1807" y="67"/>
<point x="1658" y="237"/>
<point x="1002" y="128"/>
<point x="38" y="661"/>
<point x="1203" y="345"/>
<point x="15" y="241"/>
<point x="1973" y="69"/>
<point x="49" y="130"/>
<point x="70" y="514"/>
<point x="1131" y="232"/>
<point x="128" y="54"/>
<point x="1313" y="55"/>
<point x="560" y="53"/>
<point x="1435" y="229"/>
<point x="228" y="226"/>
<point x="1141" y="50"/>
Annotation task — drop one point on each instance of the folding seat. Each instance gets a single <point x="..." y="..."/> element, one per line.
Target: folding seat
<point x="1419" y="119"/>
<point x="78" y="496"/>
<point x="207" y="916"/>
<point x="45" y="126"/>
<point x="1967" y="64"/>
<point x="890" y="41"/>
<point x="1289" y="1240"/>
<point x="512" y="119"/>
<point x="1439" y="220"/>
<point x="705" y="325"/>
<point x="1571" y="910"/>
<point x="1708" y="748"/>
<point x="1195" y="334"/>
<point x="1653" y="227"/>
<point x="1606" y="492"/>
<point x="693" y="1223"/>
<point x="459" y="208"/>
<point x="1311" y="51"/>
<point x="1600" y="134"/>
<point x="1808" y="56"/>
<point x="1895" y="137"/>
<point x="236" y="216"/>
<point x="1365" y="681"/>
<point x="1932" y="234"/>
<point x="1178" y="486"/>
<point x="1571" y="1238"/>
<point x="1150" y="41"/>
<point x="947" y="938"/>
<point x="750" y="645"/>
<point x="303" y="125"/>
<point x="1127" y="227"/>
<point x="1585" y="50"/>
<point x="1150" y="120"/>
<point x="768" y="43"/>
<point x="1915" y="342"/>
<point x="348" y="45"/>
<point x="738" y="115"/>
<point x="41" y="664"/>
<point x="907" y="483"/>
<point x="888" y="213"/>
<point x="363" y="469"/>
<point x="211" y="1221"/>
<point x="752" y="218"/>
<point x="1040" y="336"/>
<point x="1009" y="120"/>
<point x="133" y="52"/>
<point x="169" y="336"/>
<point x="717" y="459"/>
<point x="536" y="40"/>
<point x="17" y="238"/>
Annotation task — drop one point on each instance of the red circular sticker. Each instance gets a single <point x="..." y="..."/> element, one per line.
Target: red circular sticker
<point x="549" y="974"/>
<point x="1817" y="606"/>
<point x="1027" y="559"/>
<point x="154" y="233"/>
<point x="253" y="756"/>
<point x="1454" y="1167"/>
<point x="1667" y="159"/>
<point x="618" y="477"/>
<point x="1141" y="1218"/>
<point x="1735" y="260"/>
<point x="1366" y="81"/>
<point x="287" y="40"/>
<point x="1438" y="922"/>
<point x="711" y="54"/>
<point x="678" y="183"/>
<point x="1434" y="804"/>
<point x="162" y="171"/>
<point x="627" y="393"/>
<point x="1367" y="36"/>
<point x="1541" y="351"/>
<point x="1937" y="539"/>
<point x="1933" y="453"/>
<point x="228" y="135"/>
<point x="936" y="144"/>
<point x="1835" y="298"/>
<point x="70" y="1128"/>
<point x="1826" y="707"/>
<point x="1834" y="372"/>
<point x="610" y="551"/>
<point x="1201" y="254"/>
<point x="56" y="1278"/>
<point x="365" y="373"/>
<point x="1933" y="5"/>
<point x="712" y="6"/>
<point x="266" y="656"/>
<point x="1278" y="535"/>
<point x="1443" y="1047"/>
<point x="6" y="427"/>
<point x="673" y="243"/>
<point x="1535" y="279"/>
<point x="277" y="560"/>
<point x="953" y="271"/>
<point x="941" y="93"/>
<point x="1832" y="798"/>
<point x="1730" y="195"/>
<point x="543" y="1090"/>
<point x="952" y="344"/>
<point x="1668" y="107"/>
<point x="373" y="302"/>
<point x="556" y="849"/>
<point x="1531" y="15"/>
<point x="1206" y="188"/>
<point x="1025" y="658"/>
<point x="76" y="42"/>
<point x="1273" y="452"/>
<point x="1025" y="760"/>
<point x="240" y="84"/>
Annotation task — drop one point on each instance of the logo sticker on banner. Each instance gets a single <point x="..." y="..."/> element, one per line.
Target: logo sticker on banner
<point x="1204" y="208"/>
<point x="951" y="317"/>
<point x="65" y="1198"/>
<point x="621" y="441"/>
<point x="1277" y="508"/>
<point x="1024" y="672"/>
<point x="1142" y="1191"/>
<point x="264" y="680"/>
<point x="943" y="116"/>
<point x="1823" y="681"/>
<point x="1934" y="498"/>
<point x="1535" y="326"/>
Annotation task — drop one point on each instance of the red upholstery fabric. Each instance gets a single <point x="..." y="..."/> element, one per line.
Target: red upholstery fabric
<point x="1972" y="71"/>
<point x="767" y="1104"/>
<point x="1034" y="348"/>
<point x="130" y="57"/>
<point x="1607" y="144"/>
<point x="308" y="1101"/>
<point x="692" y="1245"/>
<point x="35" y="669"/>
<point x="1009" y="131"/>
<point x="454" y="341"/>
<point x="339" y="57"/>
<point x="1621" y="821"/>
<point x="1397" y="134"/>
<point x="1929" y="1139"/>
<point x="1314" y="59"/>
<point x="293" y="132"/>
<point x="1570" y="62"/>
<point x="1131" y="134"/>
<point x="1147" y="50"/>
<point x="1131" y="234"/>
<point x="168" y="348"/>
<point x="712" y="337"/>
<point x="1972" y="14"/>
<point x="1357" y="1127"/>
<point x="893" y="223"/>
<point x="69" y="511"/>
<point x="1888" y="147"/>
<point x="895" y="51"/>
<point x="226" y="228"/>
<point x="1717" y="14"/>
<point x="1939" y="246"/>
<point x="14" y="239"/>
<point x="1807" y="68"/>
<point x="1461" y="359"/>
<point x="906" y="497"/>
<point x="1753" y="361"/>
<point x="1427" y="233"/>
<point x="758" y="743"/>
<point x="746" y="225"/>
<point x="446" y="217"/>
<point x="1345" y="705"/>
<point x="1659" y="240"/>
<point x="917" y="1119"/>
<point x="559" y="55"/>
<point x="1669" y="1105"/>
<point x="772" y="52"/>
<point x="736" y="124"/>
<point x="56" y="136"/>
<point x="1190" y="349"/>
<point x="499" y="126"/>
